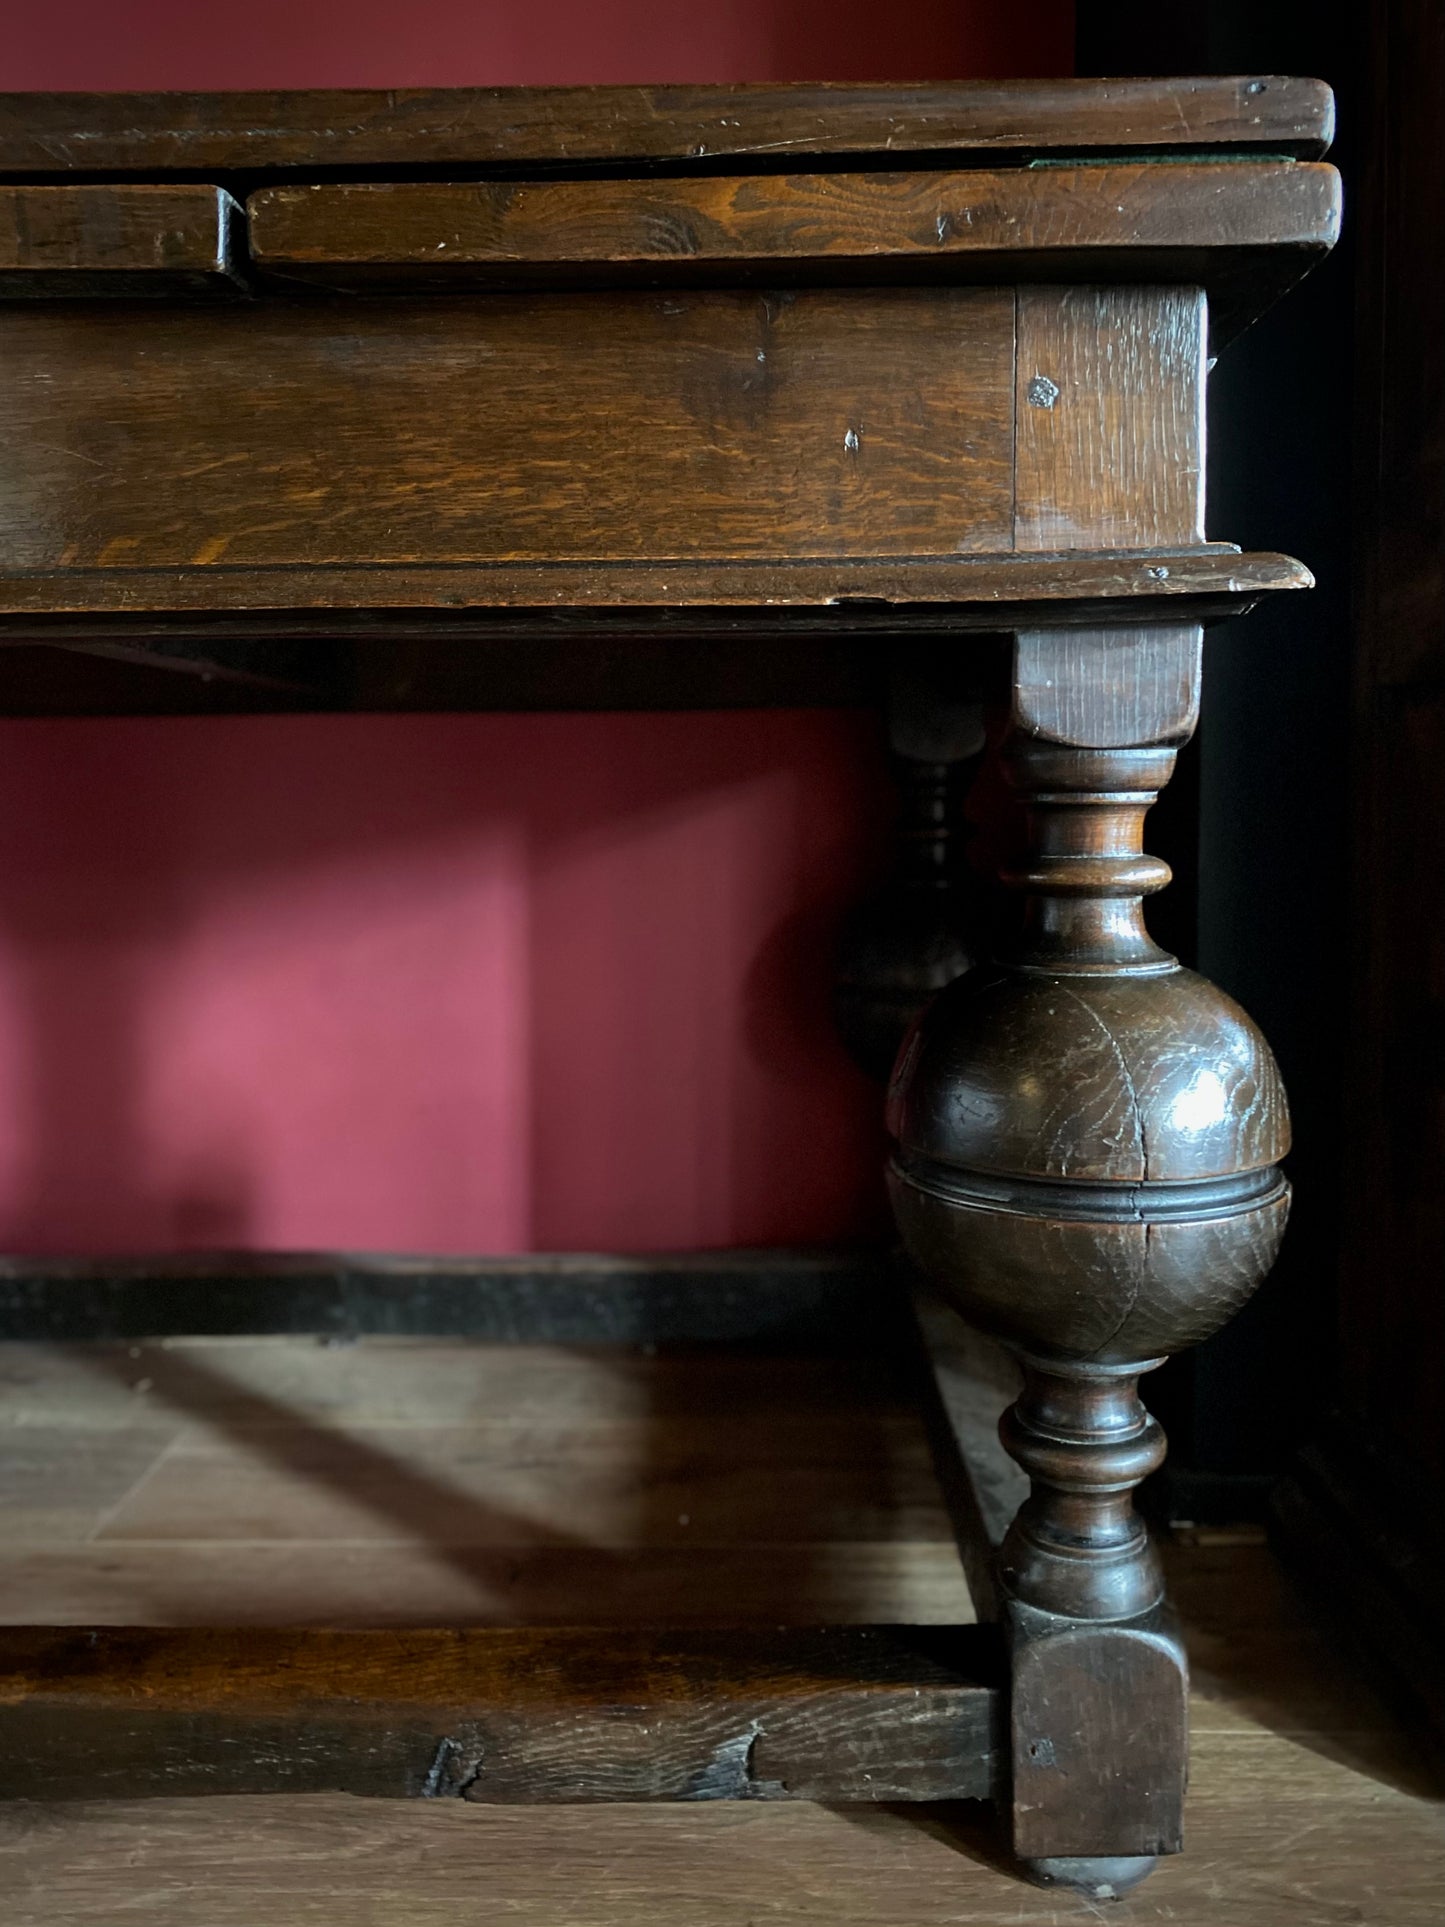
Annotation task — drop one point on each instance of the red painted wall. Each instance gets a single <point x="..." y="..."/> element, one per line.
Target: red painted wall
<point x="445" y="983"/>
<point x="495" y="43"/>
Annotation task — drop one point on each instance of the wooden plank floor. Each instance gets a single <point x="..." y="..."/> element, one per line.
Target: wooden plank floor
<point x="263" y="1481"/>
<point x="389" y="1481"/>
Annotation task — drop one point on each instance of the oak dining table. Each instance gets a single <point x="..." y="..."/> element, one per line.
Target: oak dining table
<point x="336" y="401"/>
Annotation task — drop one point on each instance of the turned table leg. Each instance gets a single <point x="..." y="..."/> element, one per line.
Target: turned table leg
<point x="923" y="928"/>
<point x="1088" y="1139"/>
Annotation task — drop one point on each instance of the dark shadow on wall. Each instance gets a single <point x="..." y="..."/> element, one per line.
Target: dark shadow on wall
<point x="853" y="40"/>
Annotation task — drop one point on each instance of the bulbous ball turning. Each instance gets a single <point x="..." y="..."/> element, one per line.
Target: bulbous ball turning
<point x="1087" y="1164"/>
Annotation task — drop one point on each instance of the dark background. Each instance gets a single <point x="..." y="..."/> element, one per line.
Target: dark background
<point x="1258" y="829"/>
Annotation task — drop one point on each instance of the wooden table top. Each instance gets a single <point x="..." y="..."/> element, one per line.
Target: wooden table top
<point x="774" y="126"/>
<point x="847" y="362"/>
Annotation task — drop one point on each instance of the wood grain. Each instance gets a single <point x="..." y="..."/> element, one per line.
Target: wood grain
<point x="1100" y="689"/>
<point x="1064" y="223"/>
<point x="578" y="127"/>
<point x="293" y="1582"/>
<point x="1305" y="1800"/>
<point x="541" y="1392"/>
<point x="967" y="1383"/>
<point x="118" y="238"/>
<point x="1086" y="1146"/>
<point x="602" y="1485"/>
<point x="1099" y="1736"/>
<point x="1110" y="413"/>
<point x="513" y="429"/>
<point x="838" y="598"/>
<point x="57" y="1485"/>
<point x="1281" y="1829"/>
<point x="530" y="1717"/>
<point x="286" y="1481"/>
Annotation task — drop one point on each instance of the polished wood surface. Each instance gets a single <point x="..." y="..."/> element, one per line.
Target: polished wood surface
<point x="404" y="639"/>
<point x="1109" y="406"/>
<point x="1087" y="1164"/>
<point x="287" y="455"/>
<point x="581" y="127"/>
<point x="769" y="219"/>
<point x="737" y="426"/>
<point x="1199" y="225"/>
<point x="862" y="1714"/>
<point x="115" y="238"/>
<point x="1107" y="690"/>
<point x="877" y="598"/>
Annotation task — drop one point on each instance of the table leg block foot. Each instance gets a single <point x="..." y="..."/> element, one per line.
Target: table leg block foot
<point x="1098" y="1741"/>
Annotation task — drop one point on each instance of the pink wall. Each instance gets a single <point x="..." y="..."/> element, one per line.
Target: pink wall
<point x="495" y="43"/>
<point x="445" y="983"/>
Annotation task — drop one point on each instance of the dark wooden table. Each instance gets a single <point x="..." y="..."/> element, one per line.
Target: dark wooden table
<point x="417" y="400"/>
